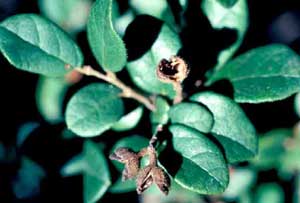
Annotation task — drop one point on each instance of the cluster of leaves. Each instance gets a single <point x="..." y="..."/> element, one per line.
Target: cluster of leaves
<point x="209" y="130"/>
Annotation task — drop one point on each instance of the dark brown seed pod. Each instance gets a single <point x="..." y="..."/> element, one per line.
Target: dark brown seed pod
<point x="130" y="159"/>
<point x="174" y="70"/>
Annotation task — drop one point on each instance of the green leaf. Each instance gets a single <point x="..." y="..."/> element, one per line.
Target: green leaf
<point x="107" y="47"/>
<point x="34" y="44"/>
<point x="203" y="168"/>
<point x="264" y="74"/>
<point x="231" y="126"/>
<point x="25" y="131"/>
<point x="160" y="115"/>
<point x="65" y="13"/>
<point x="96" y="178"/>
<point x="134" y="142"/>
<point x="228" y="3"/>
<point x="29" y="177"/>
<point x="129" y="121"/>
<point x="123" y="186"/>
<point x="271" y="149"/>
<point x="143" y="70"/>
<point x="156" y="8"/>
<point x="297" y="104"/>
<point x="233" y="16"/>
<point x="50" y="95"/>
<point x="269" y="192"/>
<point x="192" y="115"/>
<point x="94" y="109"/>
<point x="241" y="181"/>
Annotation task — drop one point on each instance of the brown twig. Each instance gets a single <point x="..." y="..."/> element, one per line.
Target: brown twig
<point x="111" y="78"/>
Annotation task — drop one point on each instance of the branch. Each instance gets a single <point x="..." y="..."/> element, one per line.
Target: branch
<point x="111" y="78"/>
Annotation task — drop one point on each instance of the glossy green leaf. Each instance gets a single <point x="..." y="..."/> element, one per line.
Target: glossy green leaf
<point x="65" y="13"/>
<point x="192" y="115"/>
<point x="156" y="8"/>
<point x="203" y="168"/>
<point x="94" y="109"/>
<point x="34" y="44"/>
<point x="228" y="3"/>
<point x="107" y="47"/>
<point x="160" y="115"/>
<point x="235" y="17"/>
<point x="96" y="178"/>
<point x="264" y="74"/>
<point x="129" y="121"/>
<point x="50" y="94"/>
<point x="269" y="192"/>
<point x="143" y="70"/>
<point x="271" y="149"/>
<point x="231" y="126"/>
<point x="28" y="180"/>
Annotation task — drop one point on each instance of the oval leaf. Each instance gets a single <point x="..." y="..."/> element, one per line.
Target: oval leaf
<point x="203" y="168"/>
<point x="94" y="109"/>
<point x="263" y="74"/>
<point x="143" y="70"/>
<point x="34" y="44"/>
<point x="231" y="126"/>
<point x="192" y="115"/>
<point x="96" y="178"/>
<point x="129" y="121"/>
<point x="107" y="47"/>
<point x="232" y="17"/>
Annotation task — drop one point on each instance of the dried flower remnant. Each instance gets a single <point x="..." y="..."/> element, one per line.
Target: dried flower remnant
<point x="130" y="159"/>
<point x="173" y="71"/>
<point x="145" y="176"/>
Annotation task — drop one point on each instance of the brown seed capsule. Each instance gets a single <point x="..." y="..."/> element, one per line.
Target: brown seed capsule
<point x="151" y="174"/>
<point x="130" y="159"/>
<point x="174" y="70"/>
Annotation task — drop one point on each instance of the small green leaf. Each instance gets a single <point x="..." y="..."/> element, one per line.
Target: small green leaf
<point x="233" y="16"/>
<point x="263" y="74"/>
<point x="123" y="186"/>
<point x="271" y="149"/>
<point x="228" y="3"/>
<point x="231" y="126"/>
<point x="94" y="109"/>
<point x="203" y="168"/>
<point x="129" y="121"/>
<point x="29" y="177"/>
<point x="25" y="131"/>
<point x="134" y="142"/>
<point x="156" y="8"/>
<point x="34" y="44"/>
<point x="107" y="47"/>
<point x="297" y="104"/>
<point x="96" y="178"/>
<point x="143" y="70"/>
<point x="241" y="181"/>
<point x="65" y="13"/>
<point x="269" y="192"/>
<point x="50" y="95"/>
<point x="192" y="115"/>
<point x="160" y="115"/>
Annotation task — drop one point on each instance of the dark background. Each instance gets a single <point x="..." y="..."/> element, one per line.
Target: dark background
<point x="270" y="21"/>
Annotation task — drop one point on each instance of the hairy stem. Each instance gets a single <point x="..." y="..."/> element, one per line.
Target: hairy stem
<point x="111" y="78"/>
<point x="178" y="89"/>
